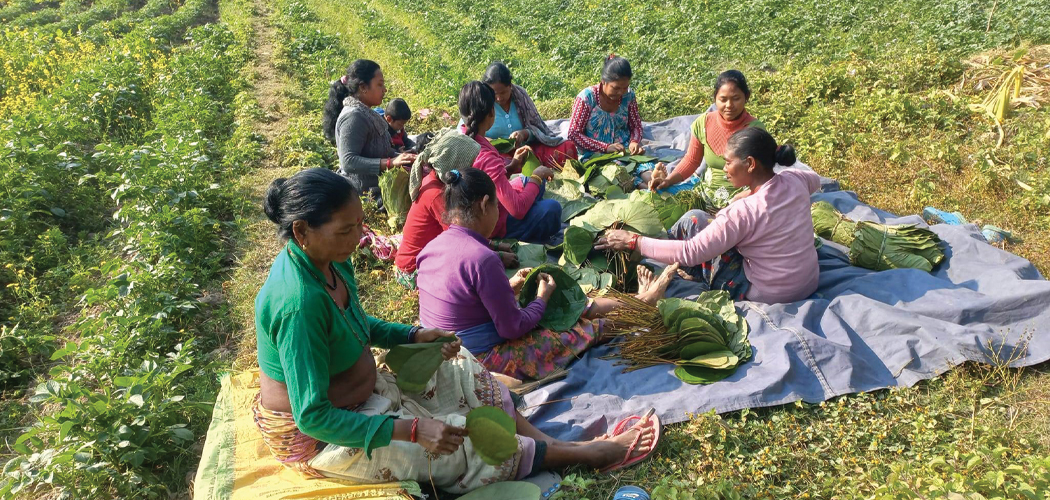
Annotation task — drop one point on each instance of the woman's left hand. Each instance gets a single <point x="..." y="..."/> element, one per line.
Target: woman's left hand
<point x="616" y="240"/>
<point x="518" y="280"/>
<point x="449" y="350"/>
<point x="520" y="137"/>
<point x="635" y="149"/>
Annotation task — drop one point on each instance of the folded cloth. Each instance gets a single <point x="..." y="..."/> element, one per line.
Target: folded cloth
<point x="237" y="465"/>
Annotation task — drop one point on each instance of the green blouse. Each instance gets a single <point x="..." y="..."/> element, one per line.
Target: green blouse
<point x="304" y="338"/>
<point x="715" y="175"/>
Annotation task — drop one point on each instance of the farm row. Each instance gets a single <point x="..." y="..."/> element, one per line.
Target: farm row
<point x="119" y="139"/>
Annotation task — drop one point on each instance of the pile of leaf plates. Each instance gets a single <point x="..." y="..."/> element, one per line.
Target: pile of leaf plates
<point x="566" y="304"/>
<point x="710" y="337"/>
<point x="493" y="433"/>
<point x="415" y="364"/>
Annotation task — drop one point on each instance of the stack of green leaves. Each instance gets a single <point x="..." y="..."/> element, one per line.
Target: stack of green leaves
<point x="493" y="433"/>
<point x="393" y="186"/>
<point x="566" y="305"/>
<point x="706" y="339"/>
<point x="415" y="364"/>
<point x="875" y="246"/>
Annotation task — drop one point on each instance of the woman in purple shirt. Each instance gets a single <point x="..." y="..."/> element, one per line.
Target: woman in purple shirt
<point x="462" y="287"/>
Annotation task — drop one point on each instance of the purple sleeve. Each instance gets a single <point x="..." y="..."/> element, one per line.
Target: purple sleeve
<point x="493" y="287"/>
<point x="722" y="234"/>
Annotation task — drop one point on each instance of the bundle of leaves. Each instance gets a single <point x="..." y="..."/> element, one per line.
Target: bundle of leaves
<point x="706" y="340"/>
<point x="878" y="246"/>
<point x="393" y="186"/>
<point x="630" y="214"/>
<point x="566" y="304"/>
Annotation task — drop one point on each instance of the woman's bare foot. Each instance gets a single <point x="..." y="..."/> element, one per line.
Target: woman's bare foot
<point x="611" y="450"/>
<point x="645" y="278"/>
<point x="655" y="289"/>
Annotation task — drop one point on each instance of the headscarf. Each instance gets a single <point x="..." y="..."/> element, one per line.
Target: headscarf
<point x="718" y="130"/>
<point x="530" y="118"/>
<point x="448" y="150"/>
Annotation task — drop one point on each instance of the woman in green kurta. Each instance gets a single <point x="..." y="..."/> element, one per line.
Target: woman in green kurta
<point x="323" y="400"/>
<point x="710" y="132"/>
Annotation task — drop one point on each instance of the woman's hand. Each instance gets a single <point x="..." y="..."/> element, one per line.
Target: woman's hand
<point x="543" y="172"/>
<point x="509" y="260"/>
<point x="614" y="148"/>
<point x="520" y="137"/>
<point x="520" y="155"/>
<point x="518" y="280"/>
<point x="616" y="240"/>
<point x="449" y="350"/>
<point x="546" y="287"/>
<point x="403" y="159"/>
<point x="438" y="437"/>
<point x="503" y="246"/>
<point x="635" y="149"/>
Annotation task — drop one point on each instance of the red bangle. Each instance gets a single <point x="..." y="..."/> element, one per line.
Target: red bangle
<point x="633" y="244"/>
<point x="389" y="161"/>
<point x="415" y="423"/>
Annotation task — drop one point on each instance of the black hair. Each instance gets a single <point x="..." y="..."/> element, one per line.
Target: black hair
<point x="476" y="102"/>
<point x="312" y="195"/>
<point x="758" y="144"/>
<point x="497" y="72"/>
<point x="464" y="188"/>
<point x="397" y="109"/>
<point x="616" y="68"/>
<point x="736" y="78"/>
<point x="359" y="73"/>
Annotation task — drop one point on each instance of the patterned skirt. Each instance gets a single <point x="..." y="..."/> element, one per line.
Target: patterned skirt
<point x="459" y="386"/>
<point x="542" y="351"/>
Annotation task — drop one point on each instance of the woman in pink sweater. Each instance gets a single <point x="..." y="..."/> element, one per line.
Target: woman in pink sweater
<point x="760" y="247"/>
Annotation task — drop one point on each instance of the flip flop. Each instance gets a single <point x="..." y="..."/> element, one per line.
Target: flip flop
<point x="626" y="425"/>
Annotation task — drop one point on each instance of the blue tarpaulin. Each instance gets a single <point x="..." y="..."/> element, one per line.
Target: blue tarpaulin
<point x="861" y="331"/>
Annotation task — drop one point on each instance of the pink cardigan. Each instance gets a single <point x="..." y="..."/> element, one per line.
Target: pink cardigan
<point x="772" y="229"/>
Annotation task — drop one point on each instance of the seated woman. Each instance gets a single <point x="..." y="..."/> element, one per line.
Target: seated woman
<point x="523" y="213"/>
<point x="764" y="238"/>
<point x="710" y="132"/>
<point x="517" y="119"/>
<point x="448" y="150"/>
<point x="325" y="410"/>
<point x="462" y="286"/>
<point x="359" y="133"/>
<point x="605" y="117"/>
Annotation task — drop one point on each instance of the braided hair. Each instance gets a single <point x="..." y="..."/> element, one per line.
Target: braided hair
<point x="476" y="103"/>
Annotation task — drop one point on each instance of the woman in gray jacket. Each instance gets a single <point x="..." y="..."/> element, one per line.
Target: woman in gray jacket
<point x="359" y="133"/>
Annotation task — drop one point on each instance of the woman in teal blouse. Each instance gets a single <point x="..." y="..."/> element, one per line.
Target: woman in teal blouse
<point x="322" y="399"/>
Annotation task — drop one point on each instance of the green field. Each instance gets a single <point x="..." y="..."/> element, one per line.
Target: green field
<point x="137" y="136"/>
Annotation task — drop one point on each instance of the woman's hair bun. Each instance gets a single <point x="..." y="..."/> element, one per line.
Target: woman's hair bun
<point x="272" y="204"/>
<point x="786" y="155"/>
